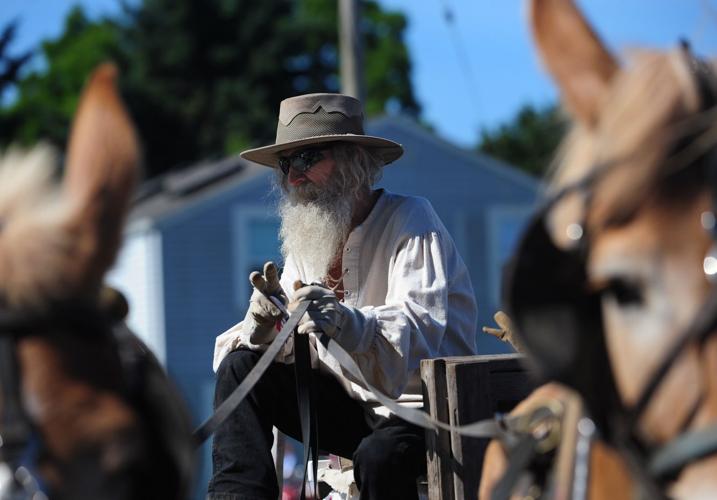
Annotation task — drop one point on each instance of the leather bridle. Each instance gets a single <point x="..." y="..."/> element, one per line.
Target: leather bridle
<point x="579" y="358"/>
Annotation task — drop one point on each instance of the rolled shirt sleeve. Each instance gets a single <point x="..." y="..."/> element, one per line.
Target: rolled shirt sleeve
<point x="388" y="341"/>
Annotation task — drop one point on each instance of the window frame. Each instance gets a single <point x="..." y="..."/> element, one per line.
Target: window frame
<point x="497" y="256"/>
<point x="242" y="218"/>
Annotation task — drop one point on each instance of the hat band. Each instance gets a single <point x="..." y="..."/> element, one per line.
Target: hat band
<point x="305" y="125"/>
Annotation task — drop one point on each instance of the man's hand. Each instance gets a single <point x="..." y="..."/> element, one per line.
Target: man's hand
<point x="505" y="332"/>
<point x="261" y="309"/>
<point x="325" y="313"/>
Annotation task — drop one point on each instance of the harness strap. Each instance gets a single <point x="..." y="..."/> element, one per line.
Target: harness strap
<point x="210" y="425"/>
<point x="80" y="317"/>
<point x="521" y="456"/>
<point x="14" y="423"/>
<point x="488" y="428"/>
<point x="670" y="459"/>
<point x="704" y="323"/>
<point x="503" y="427"/>
<point x="307" y="408"/>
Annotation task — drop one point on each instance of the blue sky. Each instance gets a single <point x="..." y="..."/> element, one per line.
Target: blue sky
<point x="476" y="71"/>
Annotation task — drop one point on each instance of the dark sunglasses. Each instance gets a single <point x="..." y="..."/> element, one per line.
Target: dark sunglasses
<point x="301" y="161"/>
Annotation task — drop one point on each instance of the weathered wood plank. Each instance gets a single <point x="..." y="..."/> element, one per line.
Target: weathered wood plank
<point x="468" y="401"/>
<point x="475" y="387"/>
<point x="438" y="446"/>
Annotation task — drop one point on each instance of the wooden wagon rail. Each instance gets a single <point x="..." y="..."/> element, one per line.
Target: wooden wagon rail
<point x="461" y="390"/>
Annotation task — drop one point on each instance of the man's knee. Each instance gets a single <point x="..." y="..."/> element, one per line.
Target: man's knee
<point x="237" y="364"/>
<point x="383" y="453"/>
<point x="373" y="455"/>
<point x="387" y="463"/>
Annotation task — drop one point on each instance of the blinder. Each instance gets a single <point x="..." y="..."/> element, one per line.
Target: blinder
<point x="558" y="318"/>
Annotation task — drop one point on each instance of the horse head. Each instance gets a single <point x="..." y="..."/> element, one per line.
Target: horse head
<point x="611" y="291"/>
<point x="56" y="244"/>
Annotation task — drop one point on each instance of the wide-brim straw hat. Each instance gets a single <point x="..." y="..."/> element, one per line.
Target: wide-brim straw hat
<point x="321" y="118"/>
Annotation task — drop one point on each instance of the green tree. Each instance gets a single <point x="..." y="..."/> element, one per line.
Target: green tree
<point x="387" y="63"/>
<point x="10" y="67"/>
<point x="47" y="98"/>
<point x="528" y="141"/>
<point x="206" y="77"/>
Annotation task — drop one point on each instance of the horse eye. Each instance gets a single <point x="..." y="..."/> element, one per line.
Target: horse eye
<point x="626" y="293"/>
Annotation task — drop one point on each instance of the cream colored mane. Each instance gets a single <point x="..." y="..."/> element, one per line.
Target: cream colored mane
<point x="34" y="242"/>
<point x="649" y="107"/>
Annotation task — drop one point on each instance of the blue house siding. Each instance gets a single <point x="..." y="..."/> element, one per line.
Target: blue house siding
<point x="200" y="298"/>
<point x="200" y="285"/>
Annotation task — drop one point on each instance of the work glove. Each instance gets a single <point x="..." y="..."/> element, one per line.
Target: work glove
<point x="505" y="330"/>
<point x="325" y="313"/>
<point x="263" y="312"/>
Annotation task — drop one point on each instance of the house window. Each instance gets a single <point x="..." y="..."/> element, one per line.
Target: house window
<point x="505" y="227"/>
<point x="256" y="241"/>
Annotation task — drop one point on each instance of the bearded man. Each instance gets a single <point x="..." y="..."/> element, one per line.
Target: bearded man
<point x="387" y="284"/>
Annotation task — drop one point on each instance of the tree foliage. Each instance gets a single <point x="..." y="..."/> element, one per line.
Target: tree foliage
<point x="10" y="67"/>
<point x="528" y="141"/>
<point x="204" y="78"/>
<point x="386" y="60"/>
<point x="47" y="99"/>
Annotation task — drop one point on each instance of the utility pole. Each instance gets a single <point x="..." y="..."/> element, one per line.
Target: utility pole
<point x="350" y="49"/>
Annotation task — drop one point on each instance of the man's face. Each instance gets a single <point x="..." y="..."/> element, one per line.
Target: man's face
<point x="318" y="174"/>
<point x="315" y="214"/>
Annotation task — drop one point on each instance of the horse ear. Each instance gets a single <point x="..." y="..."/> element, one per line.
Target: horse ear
<point x="101" y="171"/>
<point x="574" y="55"/>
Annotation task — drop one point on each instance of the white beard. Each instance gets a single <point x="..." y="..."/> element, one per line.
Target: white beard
<point x="315" y="222"/>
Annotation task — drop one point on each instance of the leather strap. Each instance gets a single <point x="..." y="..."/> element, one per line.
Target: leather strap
<point x="14" y="423"/>
<point x="488" y="428"/>
<point x="210" y="425"/>
<point x="683" y="450"/>
<point x="521" y="456"/>
<point x="307" y="408"/>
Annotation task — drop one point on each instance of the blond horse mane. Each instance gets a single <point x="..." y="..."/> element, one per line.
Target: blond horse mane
<point x="59" y="238"/>
<point x="34" y="242"/>
<point x="649" y="108"/>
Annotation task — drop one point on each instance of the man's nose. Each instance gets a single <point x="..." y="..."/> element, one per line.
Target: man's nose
<point x="296" y="178"/>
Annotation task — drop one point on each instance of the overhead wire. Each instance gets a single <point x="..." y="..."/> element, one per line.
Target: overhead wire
<point x="461" y="53"/>
<point x="707" y="21"/>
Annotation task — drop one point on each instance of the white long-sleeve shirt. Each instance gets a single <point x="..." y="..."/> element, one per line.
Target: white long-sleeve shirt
<point x="408" y="293"/>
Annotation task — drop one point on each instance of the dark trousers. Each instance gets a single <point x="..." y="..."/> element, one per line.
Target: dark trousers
<point x="387" y="458"/>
